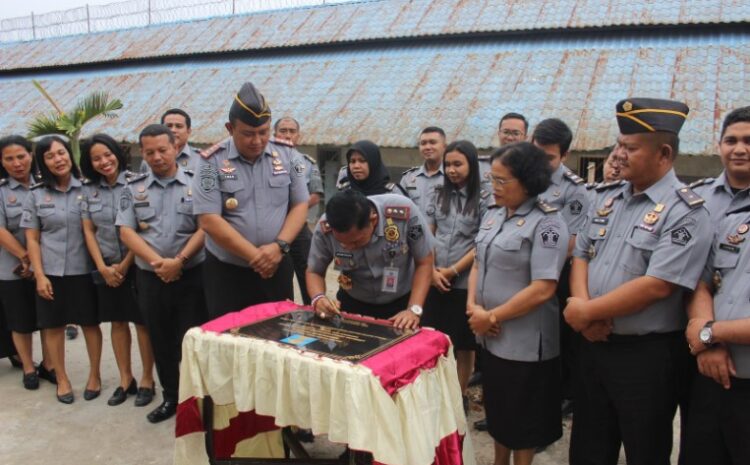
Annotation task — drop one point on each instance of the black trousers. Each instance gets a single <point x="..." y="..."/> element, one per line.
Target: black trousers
<point x="169" y="310"/>
<point x="383" y="311"/>
<point x="230" y="288"/>
<point x="718" y="431"/>
<point x="7" y="348"/>
<point x="300" y="250"/>
<point x="570" y="341"/>
<point x="628" y="394"/>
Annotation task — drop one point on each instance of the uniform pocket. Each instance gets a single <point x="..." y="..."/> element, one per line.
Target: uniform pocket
<point x="507" y="253"/>
<point x="145" y="213"/>
<point x="641" y="245"/>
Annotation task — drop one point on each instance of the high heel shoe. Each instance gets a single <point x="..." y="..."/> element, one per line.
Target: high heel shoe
<point x="121" y="394"/>
<point x="91" y="394"/>
<point x="66" y="398"/>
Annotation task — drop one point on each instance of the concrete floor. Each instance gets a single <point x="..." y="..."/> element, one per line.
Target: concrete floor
<point x="38" y="429"/>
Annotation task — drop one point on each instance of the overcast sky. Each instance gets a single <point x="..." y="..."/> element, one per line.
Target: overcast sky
<point x="14" y="8"/>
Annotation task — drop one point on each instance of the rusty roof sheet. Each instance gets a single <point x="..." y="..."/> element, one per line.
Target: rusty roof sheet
<point x="389" y="94"/>
<point x="361" y="22"/>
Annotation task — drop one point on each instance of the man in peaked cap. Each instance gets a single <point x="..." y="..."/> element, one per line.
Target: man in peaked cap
<point x="640" y="251"/>
<point x="251" y="198"/>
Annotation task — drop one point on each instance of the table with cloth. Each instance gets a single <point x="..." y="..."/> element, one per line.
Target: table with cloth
<point x="402" y="404"/>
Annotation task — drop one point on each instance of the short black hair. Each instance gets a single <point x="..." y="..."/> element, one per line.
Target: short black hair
<point x="276" y="123"/>
<point x="155" y="130"/>
<point x="42" y="147"/>
<point x="15" y="139"/>
<point x="177" y="111"/>
<point x="660" y="138"/>
<point x="553" y="131"/>
<point x="429" y="129"/>
<point x="528" y="163"/>
<point x="739" y="115"/>
<point x="87" y="168"/>
<point x="512" y="115"/>
<point x="347" y="209"/>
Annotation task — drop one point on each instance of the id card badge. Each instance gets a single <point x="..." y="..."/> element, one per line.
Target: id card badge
<point x="390" y="279"/>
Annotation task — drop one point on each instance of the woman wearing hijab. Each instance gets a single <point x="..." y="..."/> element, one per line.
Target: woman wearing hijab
<point x="365" y="171"/>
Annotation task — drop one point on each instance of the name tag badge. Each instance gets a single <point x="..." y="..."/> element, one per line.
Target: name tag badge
<point x="729" y="248"/>
<point x="227" y="177"/>
<point x="600" y="220"/>
<point x="141" y="204"/>
<point x="47" y="205"/>
<point x="390" y="279"/>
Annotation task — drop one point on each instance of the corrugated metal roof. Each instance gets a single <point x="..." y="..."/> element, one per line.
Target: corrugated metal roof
<point x="389" y="94"/>
<point x="362" y="21"/>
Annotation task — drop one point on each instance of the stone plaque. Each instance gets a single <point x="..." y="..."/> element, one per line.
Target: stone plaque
<point x="338" y="338"/>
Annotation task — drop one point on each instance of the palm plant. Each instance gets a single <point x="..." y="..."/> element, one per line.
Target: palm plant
<point x="71" y="124"/>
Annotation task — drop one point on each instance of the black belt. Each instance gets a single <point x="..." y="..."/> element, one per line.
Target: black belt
<point x="616" y="338"/>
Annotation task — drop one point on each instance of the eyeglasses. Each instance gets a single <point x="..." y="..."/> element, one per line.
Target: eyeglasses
<point x="508" y="132"/>
<point x="502" y="182"/>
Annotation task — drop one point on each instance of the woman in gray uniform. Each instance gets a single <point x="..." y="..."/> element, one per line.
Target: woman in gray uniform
<point x="454" y="218"/>
<point x="61" y="263"/>
<point x="520" y="250"/>
<point x="16" y="286"/>
<point x="103" y="163"/>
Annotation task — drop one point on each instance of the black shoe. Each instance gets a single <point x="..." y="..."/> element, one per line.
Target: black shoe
<point x="166" y="410"/>
<point x="66" y="398"/>
<point x="91" y="394"/>
<point x="46" y="374"/>
<point x="144" y="396"/>
<point x="121" y="394"/>
<point x="71" y="332"/>
<point x="481" y="425"/>
<point x="567" y="407"/>
<point x="31" y="380"/>
<point x="305" y="435"/>
<point x="15" y="361"/>
<point x="475" y="378"/>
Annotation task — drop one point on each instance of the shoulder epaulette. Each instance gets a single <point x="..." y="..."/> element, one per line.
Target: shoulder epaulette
<point x="590" y="185"/>
<point x="343" y="185"/>
<point x="397" y="213"/>
<point x="139" y="177"/>
<point x="701" y="182"/>
<point x="545" y="207"/>
<point x="390" y="186"/>
<point x="687" y="195"/>
<point x="572" y="177"/>
<point x="310" y="159"/>
<point x="603" y="186"/>
<point x="3" y="181"/>
<point x="484" y="158"/>
<point x="36" y="185"/>
<point x="484" y="194"/>
<point x="188" y="172"/>
<point x="207" y="153"/>
<point x="129" y="174"/>
<point x="86" y="181"/>
<point x="324" y="226"/>
<point x="413" y="168"/>
<point x="282" y="142"/>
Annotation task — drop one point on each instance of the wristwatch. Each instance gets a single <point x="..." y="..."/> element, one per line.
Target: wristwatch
<point x="283" y="245"/>
<point x="416" y="309"/>
<point x="706" y="334"/>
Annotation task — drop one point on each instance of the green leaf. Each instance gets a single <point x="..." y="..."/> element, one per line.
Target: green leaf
<point x="44" y="125"/>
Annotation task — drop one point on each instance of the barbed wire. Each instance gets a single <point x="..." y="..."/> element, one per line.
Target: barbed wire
<point x="134" y="13"/>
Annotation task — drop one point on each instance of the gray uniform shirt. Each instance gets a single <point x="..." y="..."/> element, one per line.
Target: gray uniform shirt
<point x="455" y="232"/>
<point x="633" y="239"/>
<point x="100" y="206"/>
<point x="365" y="266"/>
<point x="422" y="189"/>
<point x="263" y="190"/>
<point x="312" y="175"/>
<point x="512" y="252"/>
<point x="12" y="196"/>
<point x="161" y="211"/>
<point x="568" y="194"/>
<point x="726" y="270"/>
<point x="57" y="216"/>
<point x="719" y="196"/>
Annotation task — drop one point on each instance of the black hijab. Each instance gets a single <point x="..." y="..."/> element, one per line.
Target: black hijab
<point x="377" y="179"/>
